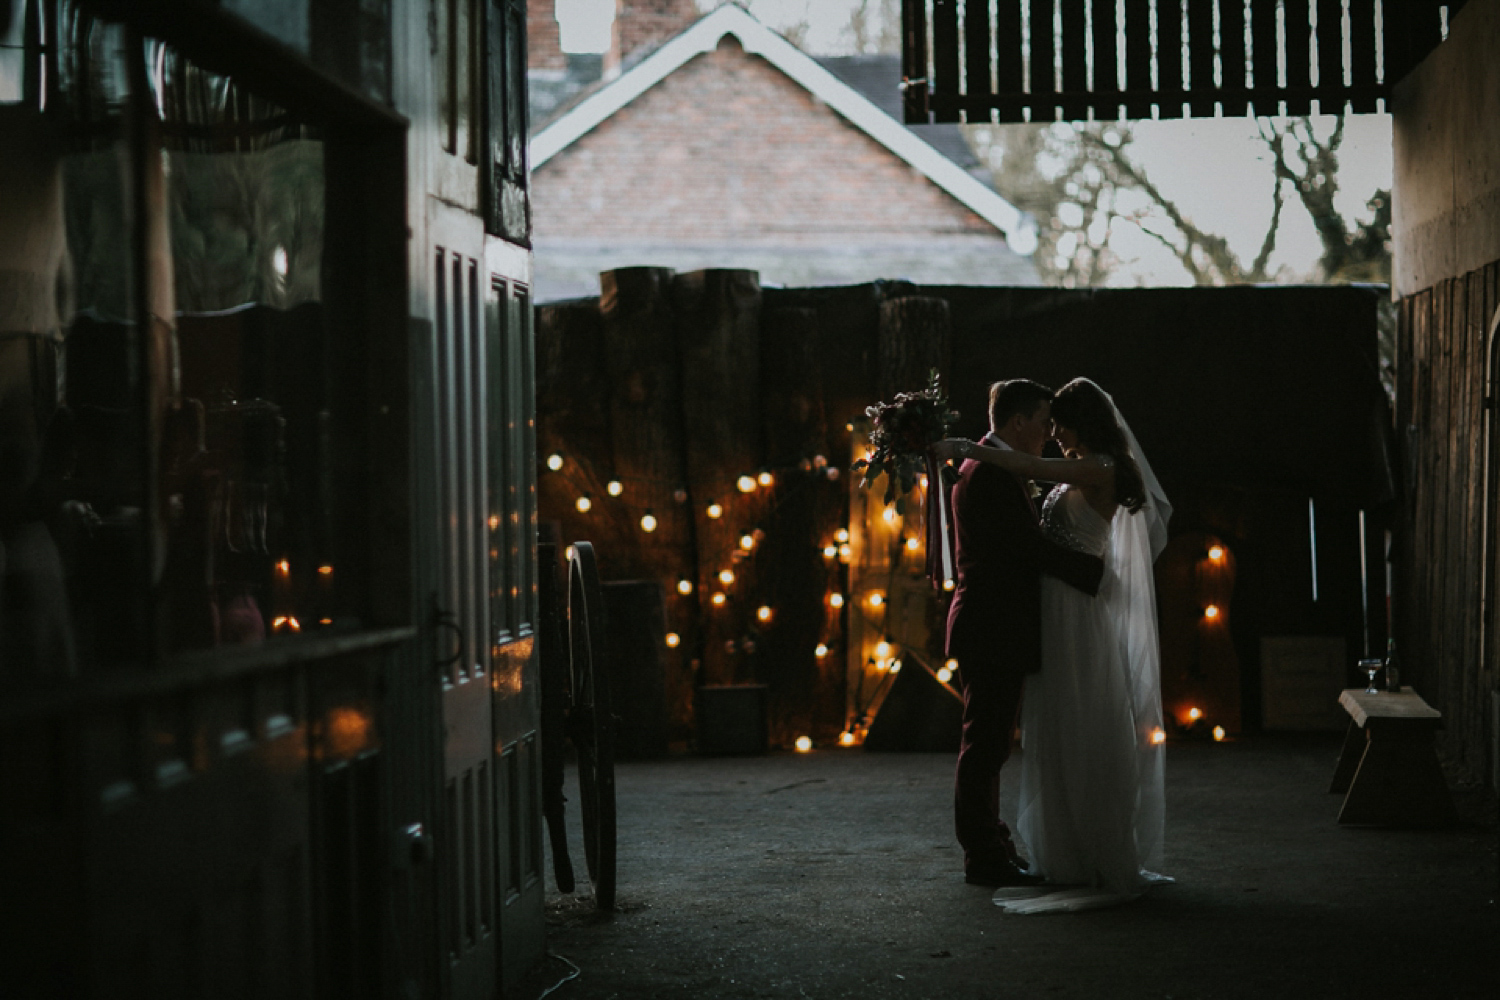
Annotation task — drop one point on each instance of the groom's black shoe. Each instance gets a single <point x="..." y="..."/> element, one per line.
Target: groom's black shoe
<point x="999" y="874"/>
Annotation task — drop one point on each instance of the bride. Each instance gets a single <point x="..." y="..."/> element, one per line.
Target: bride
<point x="1091" y="804"/>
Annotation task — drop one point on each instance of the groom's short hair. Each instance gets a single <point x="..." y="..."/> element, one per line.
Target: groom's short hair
<point x="1013" y="396"/>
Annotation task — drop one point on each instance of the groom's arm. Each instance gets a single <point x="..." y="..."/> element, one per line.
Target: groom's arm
<point x="1016" y="535"/>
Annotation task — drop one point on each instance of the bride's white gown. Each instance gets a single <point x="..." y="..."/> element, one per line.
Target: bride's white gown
<point x="1090" y="809"/>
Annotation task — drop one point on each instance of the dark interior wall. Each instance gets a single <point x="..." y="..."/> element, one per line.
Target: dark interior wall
<point x="1248" y="401"/>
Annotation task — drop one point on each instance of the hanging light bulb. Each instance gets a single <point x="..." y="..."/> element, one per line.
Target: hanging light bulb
<point x="765" y="479"/>
<point x="684" y="586"/>
<point x="1211" y="612"/>
<point x="718" y="599"/>
<point x="837" y="600"/>
<point x="1157" y="736"/>
<point x="763" y="613"/>
<point x="895" y="667"/>
<point x="1216" y="553"/>
<point x="845" y="552"/>
<point x="715" y="511"/>
<point x="746" y="484"/>
<point x="726" y="576"/>
<point x="554" y="461"/>
<point x="949" y="585"/>
<point x="913" y="544"/>
<point x="846" y="739"/>
<point x="569" y="553"/>
<point x="882" y="649"/>
<point x="820" y="651"/>
<point x="842" y="535"/>
<point x="584" y="504"/>
<point x="1195" y="714"/>
<point x="648" y="522"/>
<point x="890" y="515"/>
<point x="830" y="551"/>
<point x="673" y="640"/>
<point x="803" y="744"/>
<point x="283" y="568"/>
<point x="747" y="542"/>
<point x="1219" y="734"/>
<point x="944" y="675"/>
<point x="876" y="599"/>
<point x="615" y="488"/>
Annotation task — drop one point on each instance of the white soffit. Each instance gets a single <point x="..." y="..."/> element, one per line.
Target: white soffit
<point x="760" y="40"/>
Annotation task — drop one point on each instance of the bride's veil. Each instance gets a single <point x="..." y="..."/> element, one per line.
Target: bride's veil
<point x="1136" y="541"/>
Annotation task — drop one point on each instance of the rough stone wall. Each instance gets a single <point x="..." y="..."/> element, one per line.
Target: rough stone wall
<point x="729" y="149"/>
<point x="543" y="37"/>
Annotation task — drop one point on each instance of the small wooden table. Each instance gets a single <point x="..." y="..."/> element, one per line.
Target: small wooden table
<point x="1389" y="770"/>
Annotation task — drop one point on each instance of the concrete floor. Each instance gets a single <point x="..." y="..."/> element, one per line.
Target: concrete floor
<point x="835" y="874"/>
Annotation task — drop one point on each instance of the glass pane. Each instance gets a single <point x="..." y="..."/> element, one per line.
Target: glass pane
<point x="73" y="556"/>
<point x="515" y="469"/>
<point x="502" y="623"/>
<point x="247" y="428"/>
<point x="526" y="457"/>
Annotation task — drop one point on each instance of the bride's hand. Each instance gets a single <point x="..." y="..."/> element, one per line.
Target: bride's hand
<point x="950" y="449"/>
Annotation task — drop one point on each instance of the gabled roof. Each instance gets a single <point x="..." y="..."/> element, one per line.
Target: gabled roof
<point x="757" y="39"/>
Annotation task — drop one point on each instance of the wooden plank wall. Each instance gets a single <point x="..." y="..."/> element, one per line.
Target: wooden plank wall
<point x="1442" y="347"/>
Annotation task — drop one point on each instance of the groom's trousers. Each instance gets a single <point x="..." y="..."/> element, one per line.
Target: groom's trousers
<point x="992" y="702"/>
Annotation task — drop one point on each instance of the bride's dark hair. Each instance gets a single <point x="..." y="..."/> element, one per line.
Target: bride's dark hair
<point x="1082" y="407"/>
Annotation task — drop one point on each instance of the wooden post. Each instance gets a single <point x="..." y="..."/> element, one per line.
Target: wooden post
<point x="642" y="396"/>
<point x="718" y="341"/>
<point x="806" y="693"/>
<point x="916" y="334"/>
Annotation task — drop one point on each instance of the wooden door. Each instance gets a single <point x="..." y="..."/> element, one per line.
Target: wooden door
<point x="467" y="817"/>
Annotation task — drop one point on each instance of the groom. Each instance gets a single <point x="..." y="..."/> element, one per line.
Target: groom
<point x="994" y="622"/>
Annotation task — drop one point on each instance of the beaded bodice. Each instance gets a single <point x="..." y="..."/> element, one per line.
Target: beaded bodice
<point x="1069" y="520"/>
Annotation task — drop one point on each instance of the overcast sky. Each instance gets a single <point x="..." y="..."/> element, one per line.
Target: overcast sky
<point x="1216" y="170"/>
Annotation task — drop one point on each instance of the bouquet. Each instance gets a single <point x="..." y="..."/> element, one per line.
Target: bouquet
<point x="903" y="434"/>
<point x="903" y="431"/>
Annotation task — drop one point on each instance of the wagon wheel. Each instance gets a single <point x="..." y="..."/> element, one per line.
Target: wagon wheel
<point x="591" y="723"/>
<point x="554" y="677"/>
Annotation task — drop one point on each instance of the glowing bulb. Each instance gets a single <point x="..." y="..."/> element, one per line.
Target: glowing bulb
<point x="684" y="586"/>
<point x="325" y="570"/>
<point x="1157" y="736"/>
<point x="325" y="621"/>
<point x="726" y="576"/>
<point x="1216" y="553"/>
<point x="842" y="535"/>
<point x="950" y="665"/>
<point x="821" y="651"/>
<point x="614" y="488"/>
<point x="765" y="479"/>
<point x="718" y="600"/>
<point x="845" y="551"/>
<point x="846" y="739"/>
<point x="895" y="666"/>
<point x="763" y="613"/>
<point x="746" y="484"/>
<point x="554" y="461"/>
<point x="1212" y="611"/>
<point x="882" y="649"/>
<point x="830" y="551"/>
<point x="819" y="461"/>
<point x="889" y="515"/>
<point x="949" y="585"/>
<point x="877" y="599"/>
<point x="673" y="639"/>
<point x="1195" y="714"/>
<point x="278" y="622"/>
<point x="584" y="504"/>
<point x="284" y="568"/>
<point x="494" y="522"/>
<point x="803" y="744"/>
<point x="648" y="522"/>
<point x="571" y="553"/>
<point x="837" y="600"/>
<point x="715" y="511"/>
<point x="912" y="544"/>
<point x="747" y="542"/>
<point x="1219" y="733"/>
<point x="944" y="675"/>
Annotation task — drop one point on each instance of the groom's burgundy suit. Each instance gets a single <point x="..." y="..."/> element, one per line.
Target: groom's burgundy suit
<point x="994" y="631"/>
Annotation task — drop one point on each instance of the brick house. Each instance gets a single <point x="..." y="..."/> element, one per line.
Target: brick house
<point x="723" y="145"/>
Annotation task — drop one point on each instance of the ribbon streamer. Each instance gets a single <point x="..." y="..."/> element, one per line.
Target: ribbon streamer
<point x="940" y="557"/>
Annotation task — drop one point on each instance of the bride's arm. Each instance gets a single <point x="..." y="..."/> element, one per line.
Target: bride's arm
<point x="1090" y="471"/>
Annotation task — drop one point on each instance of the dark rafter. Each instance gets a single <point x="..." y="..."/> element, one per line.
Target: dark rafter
<point x="1041" y="60"/>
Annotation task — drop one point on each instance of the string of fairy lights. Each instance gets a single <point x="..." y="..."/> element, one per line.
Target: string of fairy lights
<point x="885" y="652"/>
<point x="884" y="658"/>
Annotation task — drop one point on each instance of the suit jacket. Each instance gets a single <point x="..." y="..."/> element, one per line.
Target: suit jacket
<point x="995" y="620"/>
